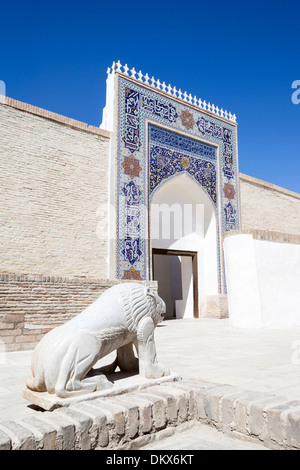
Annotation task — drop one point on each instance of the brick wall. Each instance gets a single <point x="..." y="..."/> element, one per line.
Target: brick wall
<point x="265" y="206"/>
<point x="32" y="305"/>
<point x="53" y="199"/>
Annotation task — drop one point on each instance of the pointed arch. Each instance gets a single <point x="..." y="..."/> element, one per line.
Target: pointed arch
<point x="183" y="217"/>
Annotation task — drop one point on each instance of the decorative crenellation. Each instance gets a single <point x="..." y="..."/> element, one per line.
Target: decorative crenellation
<point x="202" y="104"/>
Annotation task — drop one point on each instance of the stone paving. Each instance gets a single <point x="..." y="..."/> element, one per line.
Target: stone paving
<point x="264" y="360"/>
<point x="205" y="350"/>
<point x="202" y="437"/>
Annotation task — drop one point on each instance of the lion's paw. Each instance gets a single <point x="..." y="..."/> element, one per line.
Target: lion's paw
<point x="103" y="383"/>
<point x="155" y="371"/>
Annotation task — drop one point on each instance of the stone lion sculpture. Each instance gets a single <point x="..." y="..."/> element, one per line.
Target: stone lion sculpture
<point x="123" y="316"/>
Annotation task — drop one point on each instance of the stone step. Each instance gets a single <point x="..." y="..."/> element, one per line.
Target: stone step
<point x="133" y="420"/>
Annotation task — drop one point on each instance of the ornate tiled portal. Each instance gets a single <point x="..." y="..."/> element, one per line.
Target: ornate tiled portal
<point x="171" y="153"/>
<point x="161" y="132"/>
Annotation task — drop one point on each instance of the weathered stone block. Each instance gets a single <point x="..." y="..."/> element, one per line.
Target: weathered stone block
<point x="47" y="430"/>
<point x="83" y="425"/>
<point x="170" y="396"/>
<point x="131" y="415"/>
<point x="228" y="408"/>
<point x="21" y="438"/>
<point x="293" y="429"/>
<point x="119" y="423"/>
<point x="158" y="409"/>
<point x="159" y="413"/>
<point x="242" y="410"/>
<point x="101" y="420"/>
<point x="5" y="441"/>
<point x="278" y="423"/>
<point x="66" y="430"/>
<point x="258" y="425"/>
<point x="146" y="417"/>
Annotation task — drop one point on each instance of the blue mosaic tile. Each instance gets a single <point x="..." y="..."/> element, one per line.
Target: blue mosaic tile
<point x="182" y="143"/>
<point x="165" y="163"/>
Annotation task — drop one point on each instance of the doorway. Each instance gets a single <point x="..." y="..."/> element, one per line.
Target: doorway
<point x="176" y="272"/>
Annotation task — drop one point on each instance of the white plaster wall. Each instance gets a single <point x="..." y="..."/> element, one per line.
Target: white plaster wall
<point x="242" y="282"/>
<point x="109" y="117"/>
<point x="263" y="282"/>
<point x="278" y="267"/>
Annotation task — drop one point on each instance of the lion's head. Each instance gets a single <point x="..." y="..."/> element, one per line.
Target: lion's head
<point x="157" y="314"/>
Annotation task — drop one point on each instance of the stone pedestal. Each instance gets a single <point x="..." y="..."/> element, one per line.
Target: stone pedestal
<point x="121" y="383"/>
<point x="216" y="306"/>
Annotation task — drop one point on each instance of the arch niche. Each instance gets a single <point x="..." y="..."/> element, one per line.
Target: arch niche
<point x="183" y="234"/>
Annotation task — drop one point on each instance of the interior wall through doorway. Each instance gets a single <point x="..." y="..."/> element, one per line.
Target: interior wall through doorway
<point x="177" y="283"/>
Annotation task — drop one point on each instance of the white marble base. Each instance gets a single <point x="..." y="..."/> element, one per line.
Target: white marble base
<point x="122" y="383"/>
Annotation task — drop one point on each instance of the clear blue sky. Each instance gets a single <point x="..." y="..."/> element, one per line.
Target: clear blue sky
<point x="240" y="55"/>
